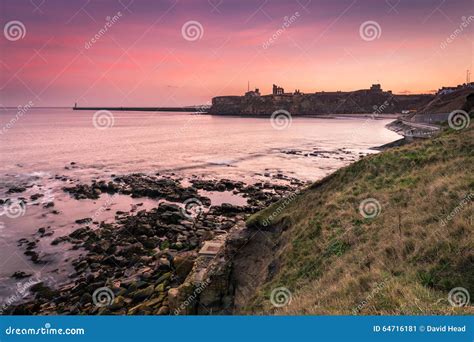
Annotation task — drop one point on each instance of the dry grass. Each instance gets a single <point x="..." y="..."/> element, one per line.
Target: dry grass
<point x="404" y="261"/>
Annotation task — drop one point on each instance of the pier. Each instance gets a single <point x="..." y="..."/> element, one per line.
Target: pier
<point x="197" y="109"/>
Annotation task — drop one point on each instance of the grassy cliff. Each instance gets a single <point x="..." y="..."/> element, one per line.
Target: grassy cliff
<point x="405" y="259"/>
<point x="446" y="103"/>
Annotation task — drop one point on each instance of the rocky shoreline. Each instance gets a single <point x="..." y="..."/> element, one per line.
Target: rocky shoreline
<point x="142" y="262"/>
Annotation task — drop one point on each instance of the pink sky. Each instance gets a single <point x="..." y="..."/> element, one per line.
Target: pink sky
<point x="144" y="60"/>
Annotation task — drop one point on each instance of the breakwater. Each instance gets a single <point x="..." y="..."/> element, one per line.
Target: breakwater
<point x="200" y="109"/>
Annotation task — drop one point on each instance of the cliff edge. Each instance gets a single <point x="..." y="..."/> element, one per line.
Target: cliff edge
<point x="390" y="234"/>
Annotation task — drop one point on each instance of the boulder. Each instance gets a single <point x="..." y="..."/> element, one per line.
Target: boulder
<point x="140" y="295"/>
<point x="183" y="264"/>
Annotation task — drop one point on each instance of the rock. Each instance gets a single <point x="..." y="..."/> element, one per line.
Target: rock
<point x="113" y="261"/>
<point x="43" y="292"/>
<point x="135" y="285"/>
<point x="60" y="239"/>
<point x="16" y="189"/>
<point x="178" y="246"/>
<point x="168" y="207"/>
<point x="135" y="248"/>
<point x="138" y="309"/>
<point x="164" y="310"/>
<point x="183" y="263"/>
<point x="82" y="191"/>
<point x="150" y="243"/>
<point x="140" y="295"/>
<point x="118" y="303"/>
<point x="146" y="251"/>
<point x="163" y="265"/>
<point x="145" y="275"/>
<point x="21" y="275"/>
<point x="178" y="298"/>
<point x="48" y="205"/>
<point x="171" y="217"/>
<point x="167" y="276"/>
<point x="86" y="298"/>
<point x="34" y="256"/>
<point x="34" y="197"/>
<point x="205" y="234"/>
<point x="80" y="233"/>
<point x="84" y="220"/>
<point x="143" y="229"/>
<point x="227" y="209"/>
<point x="154" y="302"/>
<point x="42" y="232"/>
<point x="160" y="288"/>
<point x="173" y="299"/>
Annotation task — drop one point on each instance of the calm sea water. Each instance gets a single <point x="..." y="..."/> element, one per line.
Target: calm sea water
<point x="47" y="140"/>
<point x="42" y="143"/>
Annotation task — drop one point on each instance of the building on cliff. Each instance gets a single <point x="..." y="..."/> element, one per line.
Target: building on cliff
<point x="449" y="90"/>
<point x="377" y="88"/>
<point x="253" y="93"/>
<point x="278" y="90"/>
